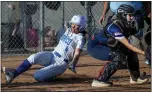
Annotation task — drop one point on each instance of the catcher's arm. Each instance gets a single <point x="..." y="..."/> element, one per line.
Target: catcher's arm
<point x="73" y="63"/>
<point x="130" y="46"/>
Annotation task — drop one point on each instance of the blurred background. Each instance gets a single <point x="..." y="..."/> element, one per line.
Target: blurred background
<point x="28" y="27"/>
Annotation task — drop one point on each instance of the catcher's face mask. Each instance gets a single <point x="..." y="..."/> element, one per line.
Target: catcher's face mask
<point x="131" y="20"/>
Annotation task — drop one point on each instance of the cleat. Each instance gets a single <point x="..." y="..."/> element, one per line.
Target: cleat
<point x="9" y="74"/>
<point x="147" y="62"/>
<point x="138" y="81"/>
<point x="72" y="69"/>
<point x="97" y="83"/>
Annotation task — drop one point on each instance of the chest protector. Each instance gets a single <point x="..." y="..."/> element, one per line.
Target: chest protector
<point x="112" y="42"/>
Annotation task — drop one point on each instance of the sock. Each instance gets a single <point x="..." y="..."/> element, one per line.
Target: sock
<point x="22" y="68"/>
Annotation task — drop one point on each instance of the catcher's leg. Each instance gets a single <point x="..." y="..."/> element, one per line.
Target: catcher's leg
<point x="94" y="50"/>
<point x="133" y="65"/>
<point x="107" y="71"/>
<point x="98" y="44"/>
<point x="117" y="59"/>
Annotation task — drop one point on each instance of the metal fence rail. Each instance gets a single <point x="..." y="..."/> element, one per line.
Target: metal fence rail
<point x="30" y="27"/>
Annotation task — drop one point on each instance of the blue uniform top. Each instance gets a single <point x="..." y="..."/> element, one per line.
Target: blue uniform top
<point x="137" y="5"/>
<point x="97" y="47"/>
<point x="114" y="31"/>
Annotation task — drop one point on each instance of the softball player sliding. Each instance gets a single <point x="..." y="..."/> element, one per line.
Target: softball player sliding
<point x="57" y="61"/>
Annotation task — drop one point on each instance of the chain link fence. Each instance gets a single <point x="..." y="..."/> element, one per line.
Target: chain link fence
<point x="30" y="27"/>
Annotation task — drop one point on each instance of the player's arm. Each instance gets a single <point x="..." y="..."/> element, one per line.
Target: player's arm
<point x="118" y="35"/>
<point x="78" y="50"/>
<point x="75" y="59"/>
<point x="130" y="46"/>
<point x="106" y="7"/>
<point x="105" y="10"/>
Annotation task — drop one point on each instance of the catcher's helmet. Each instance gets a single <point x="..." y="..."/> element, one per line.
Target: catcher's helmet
<point x="125" y="10"/>
<point x="79" y="20"/>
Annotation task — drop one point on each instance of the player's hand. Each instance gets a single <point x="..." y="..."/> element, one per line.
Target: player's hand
<point x="143" y="53"/>
<point x="72" y="68"/>
<point x="101" y="19"/>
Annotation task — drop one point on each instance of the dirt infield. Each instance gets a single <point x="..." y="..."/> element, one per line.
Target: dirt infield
<point x="87" y="69"/>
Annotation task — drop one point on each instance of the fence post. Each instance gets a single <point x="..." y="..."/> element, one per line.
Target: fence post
<point x="88" y="15"/>
<point x="1" y="38"/>
<point x="41" y="33"/>
<point x="23" y="16"/>
<point x="63" y="14"/>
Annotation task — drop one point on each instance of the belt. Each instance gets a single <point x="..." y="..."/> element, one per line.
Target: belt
<point x="57" y="54"/>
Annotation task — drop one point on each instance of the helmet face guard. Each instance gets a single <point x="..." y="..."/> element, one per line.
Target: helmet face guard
<point x="132" y="24"/>
<point x="129" y="14"/>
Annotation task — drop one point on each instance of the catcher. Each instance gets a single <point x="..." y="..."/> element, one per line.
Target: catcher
<point x="55" y="62"/>
<point x="144" y="13"/>
<point x="113" y="44"/>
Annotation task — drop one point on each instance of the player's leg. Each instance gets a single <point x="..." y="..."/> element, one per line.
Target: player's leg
<point x="95" y="51"/>
<point x="108" y="70"/>
<point x="48" y="73"/>
<point x="133" y="65"/>
<point x="105" y="73"/>
<point x="42" y="58"/>
<point x="97" y="45"/>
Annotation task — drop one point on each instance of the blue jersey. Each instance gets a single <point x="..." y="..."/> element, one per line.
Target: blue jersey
<point x="98" y="47"/>
<point x="114" y="31"/>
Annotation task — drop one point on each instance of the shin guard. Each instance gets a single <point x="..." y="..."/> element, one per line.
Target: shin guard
<point x="107" y="71"/>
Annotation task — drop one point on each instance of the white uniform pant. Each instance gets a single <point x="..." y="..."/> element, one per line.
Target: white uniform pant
<point x="53" y="66"/>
